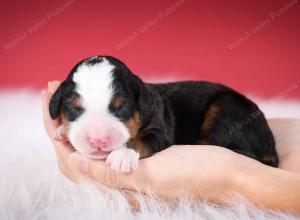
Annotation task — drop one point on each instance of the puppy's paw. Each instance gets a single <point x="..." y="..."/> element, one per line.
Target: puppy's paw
<point x="123" y="160"/>
<point x="59" y="134"/>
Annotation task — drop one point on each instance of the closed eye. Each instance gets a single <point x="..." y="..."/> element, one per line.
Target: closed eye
<point x="121" y="110"/>
<point x="117" y="102"/>
<point x="72" y="110"/>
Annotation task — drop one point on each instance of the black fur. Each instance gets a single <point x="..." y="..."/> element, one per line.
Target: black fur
<point x="62" y="99"/>
<point x="175" y="113"/>
<point x="239" y="125"/>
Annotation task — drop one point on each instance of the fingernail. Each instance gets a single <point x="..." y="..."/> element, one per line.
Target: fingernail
<point x="52" y="86"/>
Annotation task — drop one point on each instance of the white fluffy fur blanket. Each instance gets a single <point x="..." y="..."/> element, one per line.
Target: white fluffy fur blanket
<point x="32" y="188"/>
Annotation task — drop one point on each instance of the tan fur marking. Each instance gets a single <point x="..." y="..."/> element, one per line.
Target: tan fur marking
<point x="203" y="142"/>
<point x="268" y="158"/>
<point x="136" y="143"/>
<point x="77" y="102"/>
<point x="139" y="146"/>
<point x="117" y="102"/>
<point x="209" y="118"/>
<point x="133" y="124"/>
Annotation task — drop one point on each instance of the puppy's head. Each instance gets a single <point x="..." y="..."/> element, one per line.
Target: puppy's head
<point x="101" y="105"/>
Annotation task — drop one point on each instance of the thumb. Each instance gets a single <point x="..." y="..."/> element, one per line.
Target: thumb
<point x="101" y="173"/>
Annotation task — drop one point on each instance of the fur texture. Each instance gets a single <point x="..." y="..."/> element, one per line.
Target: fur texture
<point x="32" y="188"/>
<point x="105" y="107"/>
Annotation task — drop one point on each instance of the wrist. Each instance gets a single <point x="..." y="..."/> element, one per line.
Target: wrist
<point x="269" y="187"/>
<point x="248" y="179"/>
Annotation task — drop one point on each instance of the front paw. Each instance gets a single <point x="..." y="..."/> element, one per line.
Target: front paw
<point x="123" y="160"/>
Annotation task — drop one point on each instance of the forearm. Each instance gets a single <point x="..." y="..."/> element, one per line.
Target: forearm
<point x="271" y="188"/>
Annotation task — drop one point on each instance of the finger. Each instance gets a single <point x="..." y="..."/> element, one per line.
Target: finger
<point x="285" y="132"/>
<point x="62" y="149"/>
<point x="53" y="86"/>
<point x="100" y="172"/>
<point x="78" y="163"/>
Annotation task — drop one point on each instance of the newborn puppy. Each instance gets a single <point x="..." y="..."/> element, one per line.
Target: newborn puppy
<point x="109" y="113"/>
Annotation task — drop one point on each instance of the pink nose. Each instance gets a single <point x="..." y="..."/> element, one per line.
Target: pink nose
<point x="97" y="142"/>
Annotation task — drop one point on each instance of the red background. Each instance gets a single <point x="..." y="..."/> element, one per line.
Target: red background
<point x="191" y="42"/>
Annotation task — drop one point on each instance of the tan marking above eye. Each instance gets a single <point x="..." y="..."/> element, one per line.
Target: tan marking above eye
<point x="117" y="102"/>
<point x="77" y="102"/>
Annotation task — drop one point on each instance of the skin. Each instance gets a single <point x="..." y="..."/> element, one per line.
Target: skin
<point x="205" y="172"/>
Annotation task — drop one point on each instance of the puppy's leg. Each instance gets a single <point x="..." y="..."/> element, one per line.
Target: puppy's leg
<point x="237" y="124"/>
<point x="123" y="160"/>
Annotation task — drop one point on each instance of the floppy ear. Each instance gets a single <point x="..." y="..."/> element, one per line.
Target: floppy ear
<point x="56" y="102"/>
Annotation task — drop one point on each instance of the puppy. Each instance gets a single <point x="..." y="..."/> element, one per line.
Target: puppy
<point x="108" y="112"/>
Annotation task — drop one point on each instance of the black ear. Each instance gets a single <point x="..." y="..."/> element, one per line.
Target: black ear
<point x="56" y="102"/>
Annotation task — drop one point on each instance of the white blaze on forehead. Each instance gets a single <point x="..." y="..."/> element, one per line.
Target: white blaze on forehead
<point x="94" y="84"/>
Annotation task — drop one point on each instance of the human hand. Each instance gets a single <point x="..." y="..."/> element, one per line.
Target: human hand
<point x="286" y="133"/>
<point x="203" y="171"/>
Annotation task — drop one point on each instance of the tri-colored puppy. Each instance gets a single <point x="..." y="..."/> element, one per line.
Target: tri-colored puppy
<point x="109" y="113"/>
